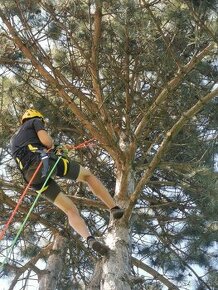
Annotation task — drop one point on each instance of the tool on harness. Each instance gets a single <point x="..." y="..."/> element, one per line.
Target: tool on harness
<point x="45" y="162"/>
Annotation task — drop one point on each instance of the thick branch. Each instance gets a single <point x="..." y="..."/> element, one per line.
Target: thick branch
<point x="166" y="142"/>
<point x="96" y="38"/>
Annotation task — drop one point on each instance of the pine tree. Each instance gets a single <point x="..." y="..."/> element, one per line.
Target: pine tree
<point x="139" y="77"/>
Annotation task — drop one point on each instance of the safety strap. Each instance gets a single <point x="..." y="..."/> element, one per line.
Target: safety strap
<point x="87" y="143"/>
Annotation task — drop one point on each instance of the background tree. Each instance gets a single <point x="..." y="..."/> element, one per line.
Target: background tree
<point x="141" y="78"/>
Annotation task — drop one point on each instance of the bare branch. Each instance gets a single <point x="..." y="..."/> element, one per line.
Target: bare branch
<point x="172" y="85"/>
<point x="154" y="273"/>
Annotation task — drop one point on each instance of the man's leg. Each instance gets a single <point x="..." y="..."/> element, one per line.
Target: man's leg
<point x="100" y="191"/>
<point x="78" y="223"/>
<point x="75" y="220"/>
<point x="96" y="187"/>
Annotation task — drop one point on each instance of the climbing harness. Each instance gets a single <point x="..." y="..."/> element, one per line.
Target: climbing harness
<point x="59" y="150"/>
<point x="44" y="156"/>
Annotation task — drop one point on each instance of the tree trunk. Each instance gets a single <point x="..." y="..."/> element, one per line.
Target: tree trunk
<point x="114" y="272"/>
<point x="54" y="265"/>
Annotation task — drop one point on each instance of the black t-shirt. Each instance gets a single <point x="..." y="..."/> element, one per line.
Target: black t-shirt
<point x="25" y="135"/>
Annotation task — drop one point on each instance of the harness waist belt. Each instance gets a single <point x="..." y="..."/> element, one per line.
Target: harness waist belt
<point x="44" y="158"/>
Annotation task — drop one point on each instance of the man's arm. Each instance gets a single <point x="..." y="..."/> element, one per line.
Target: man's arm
<point x="45" y="139"/>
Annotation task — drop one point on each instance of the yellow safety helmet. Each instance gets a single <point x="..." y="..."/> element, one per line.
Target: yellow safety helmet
<point x="31" y="113"/>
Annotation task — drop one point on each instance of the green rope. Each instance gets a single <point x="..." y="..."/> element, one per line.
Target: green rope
<point x="28" y="214"/>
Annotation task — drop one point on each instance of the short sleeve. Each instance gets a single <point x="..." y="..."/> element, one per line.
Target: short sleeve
<point x="38" y="125"/>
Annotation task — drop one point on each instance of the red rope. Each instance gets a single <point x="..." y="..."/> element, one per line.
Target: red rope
<point x="81" y="145"/>
<point x="3" y="231"/>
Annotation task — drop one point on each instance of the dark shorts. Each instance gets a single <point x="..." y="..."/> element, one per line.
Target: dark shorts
<point x="67" y="169"/>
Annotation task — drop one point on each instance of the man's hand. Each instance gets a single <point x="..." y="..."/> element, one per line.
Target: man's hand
<point x="61" y="150"/>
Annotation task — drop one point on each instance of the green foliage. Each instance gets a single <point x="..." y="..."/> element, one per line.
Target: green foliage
<point x="13" y="9"/>
<point x="30" y="251"/>
<point x="115" y="77"/>
<point x="54" y="31"/>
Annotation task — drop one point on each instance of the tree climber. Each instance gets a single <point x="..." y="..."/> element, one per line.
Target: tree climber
<point x="29" y="145"/>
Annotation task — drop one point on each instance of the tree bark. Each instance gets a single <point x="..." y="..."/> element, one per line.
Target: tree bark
<point x="54" y="265"/>
<point x="114" y="272"/>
